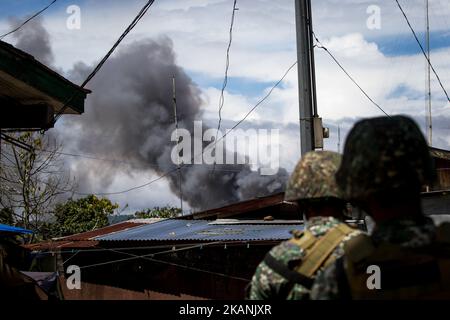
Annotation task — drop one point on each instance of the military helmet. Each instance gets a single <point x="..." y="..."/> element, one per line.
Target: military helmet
<point x="384" y="155"/>
<point x="314" y="177"/>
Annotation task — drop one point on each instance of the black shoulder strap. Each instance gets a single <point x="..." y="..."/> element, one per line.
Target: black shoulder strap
<point x="342" y="280"/>
<point x="287" y="273"/>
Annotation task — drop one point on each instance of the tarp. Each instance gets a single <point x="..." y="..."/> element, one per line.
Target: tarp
<point x="11" y="229"/>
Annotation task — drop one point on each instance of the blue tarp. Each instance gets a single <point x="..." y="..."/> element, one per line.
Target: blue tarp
<point x="10" y="229"/>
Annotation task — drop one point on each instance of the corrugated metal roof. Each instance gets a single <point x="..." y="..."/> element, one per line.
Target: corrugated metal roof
<point x="86" y="239"/>
<point x="102" y="231"/>
<point x="176" y="229"/>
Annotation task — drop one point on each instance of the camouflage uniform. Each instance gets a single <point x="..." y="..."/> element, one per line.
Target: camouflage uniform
<point x="407" y="233"/>
<point x="313" y="178"/>
<point x="383" y="157"/>
<point x="267" y="284"/>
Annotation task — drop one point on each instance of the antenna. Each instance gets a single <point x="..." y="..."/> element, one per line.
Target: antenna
<point x="176" y="135"/>
<point x="428" y="112"/>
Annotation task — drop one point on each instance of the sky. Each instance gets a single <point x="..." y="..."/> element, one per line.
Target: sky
<point x="386" y="62"/>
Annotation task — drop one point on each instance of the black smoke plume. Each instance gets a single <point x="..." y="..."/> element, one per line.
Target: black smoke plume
<point x="34" y="39"/>
<point x="129" y="116"/>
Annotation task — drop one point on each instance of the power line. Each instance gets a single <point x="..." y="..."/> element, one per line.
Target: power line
<point x="17" y="143"/>
<point x="260" y="102"/>
<point x="91" y="157"/>
<point x="53" y="250"/>
<point x="136" y="20"/>
<point x="423" y="50"/>
<point x="130" y="189"/>
<point x="28" y="20"/>
<point x="150" y="257"/>
<point x="187" y="267"/>
<point x="321" y="46"/>
<point x="225" y="80"/>
<point x="181" y="246"/>
<point x="151" y="254"/>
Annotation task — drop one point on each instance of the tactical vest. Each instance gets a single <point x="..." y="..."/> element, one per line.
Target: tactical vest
<point x="318" y="254"/>
<point x="404" y="273"/>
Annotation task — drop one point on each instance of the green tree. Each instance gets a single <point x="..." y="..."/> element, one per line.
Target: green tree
<point x="6" y="216"/>
<point x="159" y="212"/>
<point x="85" y="214"/>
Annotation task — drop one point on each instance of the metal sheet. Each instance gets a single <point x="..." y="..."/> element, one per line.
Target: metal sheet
<point x="174" y="230"/>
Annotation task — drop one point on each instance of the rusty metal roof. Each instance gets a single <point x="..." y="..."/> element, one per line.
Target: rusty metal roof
<point x="86" y="239"/>
<point x="202" y="230"/>
<point x="236" y="209"/>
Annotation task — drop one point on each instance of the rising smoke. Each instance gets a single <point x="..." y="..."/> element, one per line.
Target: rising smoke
<point x="33" y="39"/>
<point x="129" y="116"/>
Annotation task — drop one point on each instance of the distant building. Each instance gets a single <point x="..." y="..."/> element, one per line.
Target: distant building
<point x="207" y="255"/>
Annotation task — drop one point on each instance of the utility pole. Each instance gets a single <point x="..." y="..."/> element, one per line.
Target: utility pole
<point x="429" y="119"/>
<point x="177" y="138"/>
<point x="311" y="130"/>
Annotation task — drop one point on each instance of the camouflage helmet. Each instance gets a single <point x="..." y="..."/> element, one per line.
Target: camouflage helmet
<point x="314" y="177"/>
<point x="383" y="155"/>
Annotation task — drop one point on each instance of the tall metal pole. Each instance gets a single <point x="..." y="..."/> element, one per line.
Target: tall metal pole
<point x="429" y="119"/>
<point x="339" y="139"/>
<point x="176" y="134"/>
<point x="306" y="74"/>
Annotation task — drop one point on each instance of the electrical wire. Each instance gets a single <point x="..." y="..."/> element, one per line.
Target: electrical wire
<point x="225" y="80"/>
<point x="422" y="49"/>
<point x="150" y="254"/>
<point x="130" y="189"/>
<point x="89" y="250"/>
<point x="187" y="267"/>
<point x="17" y="143"/>
<point x="221" y="138"/>
<point x="150" y="257"/>
<point x="28" y="20"/>
<point x="259" y="102"/>
<point x="321" y="46"/>
<point x="92" y="157"/>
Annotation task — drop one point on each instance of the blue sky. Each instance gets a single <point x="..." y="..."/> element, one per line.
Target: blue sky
<point x="27" y="7"/>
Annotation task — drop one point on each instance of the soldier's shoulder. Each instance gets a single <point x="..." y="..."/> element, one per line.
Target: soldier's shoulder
<point x="287" y="251"/>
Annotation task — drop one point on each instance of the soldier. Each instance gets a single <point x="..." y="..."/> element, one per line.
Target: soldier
<point x="386" y="164"/>
<point x="288" y="269"/>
